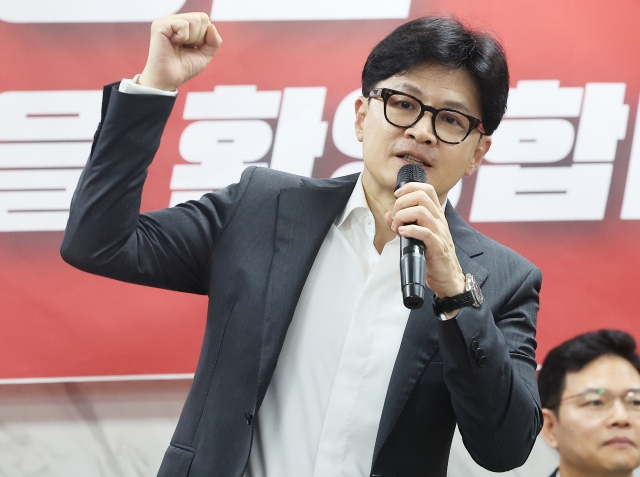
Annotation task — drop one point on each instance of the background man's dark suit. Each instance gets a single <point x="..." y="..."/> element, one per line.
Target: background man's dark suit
<point x="250" y="248"/>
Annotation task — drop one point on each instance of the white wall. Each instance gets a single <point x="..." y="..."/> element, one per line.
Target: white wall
<point x="121" y="429"/>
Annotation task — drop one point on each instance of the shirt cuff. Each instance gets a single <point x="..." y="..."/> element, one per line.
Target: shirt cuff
<point x="130" y="86"/>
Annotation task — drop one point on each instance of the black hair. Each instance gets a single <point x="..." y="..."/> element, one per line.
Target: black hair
<point x="575" y="354"/>
<point x="447" y="42"/>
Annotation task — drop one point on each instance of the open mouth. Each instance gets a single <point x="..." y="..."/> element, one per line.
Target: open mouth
<point x="413" y="160"/>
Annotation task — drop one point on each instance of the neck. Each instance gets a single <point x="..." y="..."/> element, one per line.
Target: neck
<point x="380" y="202"/>
<point x="567" y="470"/>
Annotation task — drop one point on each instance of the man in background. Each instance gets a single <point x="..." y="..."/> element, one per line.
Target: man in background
<point x="590" y="393"/>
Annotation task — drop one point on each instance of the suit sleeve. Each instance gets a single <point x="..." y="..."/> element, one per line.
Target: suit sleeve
<point x="489" y="369"/>
<point x="107" y="235"/>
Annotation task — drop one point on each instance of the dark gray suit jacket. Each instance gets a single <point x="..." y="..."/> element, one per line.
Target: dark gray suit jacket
<point x="250" y="248"/>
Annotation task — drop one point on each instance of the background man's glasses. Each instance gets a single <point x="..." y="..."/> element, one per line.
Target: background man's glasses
<point x="600" y="401"/>
<point x="404" y="110"/>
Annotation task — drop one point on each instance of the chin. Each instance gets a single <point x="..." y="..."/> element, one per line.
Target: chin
<point x="380" y="180"/>
<point x="621" y="467"/>
<point x="625" y="461"/>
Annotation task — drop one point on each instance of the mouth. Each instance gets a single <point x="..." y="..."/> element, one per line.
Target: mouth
<point x="620" y="442"/>
<point x="414" y="160"/>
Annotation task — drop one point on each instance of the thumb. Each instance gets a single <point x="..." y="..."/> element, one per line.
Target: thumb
<point x="388" y="219"/>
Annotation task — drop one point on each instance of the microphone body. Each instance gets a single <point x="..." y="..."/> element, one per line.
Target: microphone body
<point x="413" y="265"/>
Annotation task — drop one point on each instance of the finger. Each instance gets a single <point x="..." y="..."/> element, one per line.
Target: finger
<point x="389" y="220"/>
<point x="178" y="31"/>
<point x="412" y="186"/>
<point x="183" y="29"/>
<point x="202" y="31"/>
<point x="423" y="234"/>
<point x="417" y="198"/>
<point x="191" y="32"/>
<point x="436" y="245"/>
<point x="196" y="32"/>
<point x="212" y="40"/>
<point x="418" y="215"/>
<point x="415" y="186"/>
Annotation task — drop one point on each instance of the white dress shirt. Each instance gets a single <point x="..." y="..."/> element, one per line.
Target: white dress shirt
<point x="131" y="86"/>
<point x="322" y="409"/>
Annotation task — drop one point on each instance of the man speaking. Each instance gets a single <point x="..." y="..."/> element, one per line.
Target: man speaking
<point x="311" y="364"/>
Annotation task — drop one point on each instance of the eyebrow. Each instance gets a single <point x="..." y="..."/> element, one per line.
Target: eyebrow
<point x="449" y="104"/>
<point x="606" y="389"/>
<point x="412" y="89"/>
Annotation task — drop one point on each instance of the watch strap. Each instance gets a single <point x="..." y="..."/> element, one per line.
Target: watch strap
<point x="471" y="297"/>
<point x="447" y="304"/>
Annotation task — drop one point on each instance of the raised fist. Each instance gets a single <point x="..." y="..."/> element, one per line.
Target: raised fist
<point x="181" y="47"/>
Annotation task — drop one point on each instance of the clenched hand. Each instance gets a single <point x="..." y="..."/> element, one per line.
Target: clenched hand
<point x="181" y="47"/>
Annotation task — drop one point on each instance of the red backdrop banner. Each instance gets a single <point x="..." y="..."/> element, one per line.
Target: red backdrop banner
<point x="561" y="184"/>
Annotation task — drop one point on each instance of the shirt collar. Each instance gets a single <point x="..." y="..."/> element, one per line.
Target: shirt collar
<point x="358" y="200"/>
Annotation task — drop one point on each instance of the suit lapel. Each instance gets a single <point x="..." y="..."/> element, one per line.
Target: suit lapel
<point x="419" y="344"/>
<point x="304" y="217"/>
<point x="420" y="340"/>
<point x="467" y="245"/>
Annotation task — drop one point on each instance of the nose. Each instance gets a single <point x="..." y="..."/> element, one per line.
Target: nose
<point x="423" y="131"/>
<point x="618" y="416"/>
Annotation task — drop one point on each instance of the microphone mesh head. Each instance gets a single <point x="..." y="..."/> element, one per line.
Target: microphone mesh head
<point x="410" y="173"/>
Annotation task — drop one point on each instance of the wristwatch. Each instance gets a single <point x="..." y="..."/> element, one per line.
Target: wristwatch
<point x="471" y="297"/>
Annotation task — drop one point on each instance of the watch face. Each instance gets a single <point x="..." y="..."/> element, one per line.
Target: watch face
<point x="474" y="288"/>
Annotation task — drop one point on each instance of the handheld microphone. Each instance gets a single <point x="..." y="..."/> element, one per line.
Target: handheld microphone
<point x="413" y="265"/>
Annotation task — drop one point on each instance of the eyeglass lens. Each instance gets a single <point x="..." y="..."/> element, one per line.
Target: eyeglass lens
<point x="602" y="400"/>
<point x="403" y="111"/>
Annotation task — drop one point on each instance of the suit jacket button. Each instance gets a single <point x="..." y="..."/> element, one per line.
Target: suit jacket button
<point x="480" y="353"/>
<point x="475" y="344"/>
<point x="249" y="417"/>
<point x="482" y="361"/>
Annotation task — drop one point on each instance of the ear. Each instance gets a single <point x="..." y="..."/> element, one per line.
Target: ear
<point x="483" y="146"/>
<point x="362" y="107"/>
<point x="550" y="428"/>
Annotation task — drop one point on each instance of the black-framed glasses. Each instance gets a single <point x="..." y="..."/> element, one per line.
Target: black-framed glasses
<point x="599" y="401"/>
<point x="403" y="110"/>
